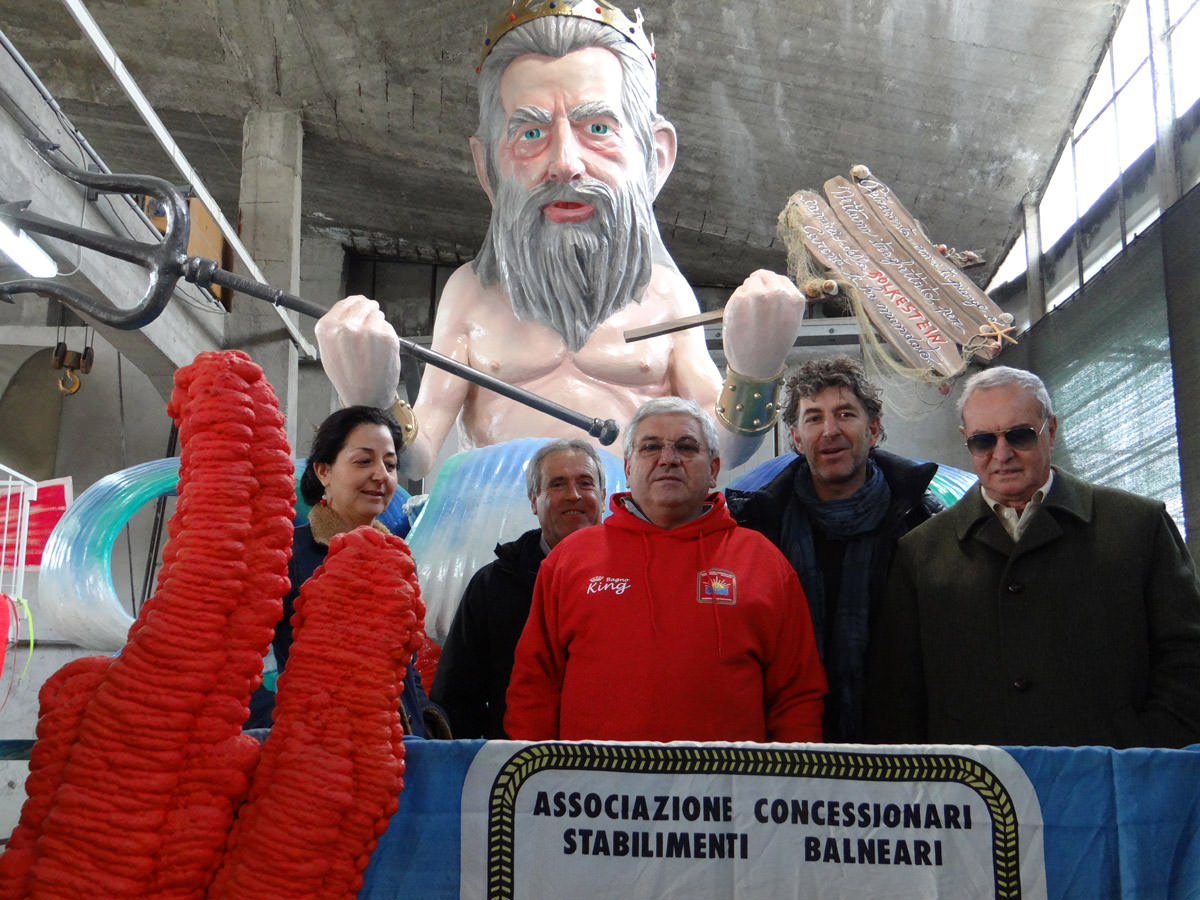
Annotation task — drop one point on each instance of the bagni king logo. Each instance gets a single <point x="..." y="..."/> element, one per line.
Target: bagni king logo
<point x="599" y="584"/>
<point x="716" y="586"/>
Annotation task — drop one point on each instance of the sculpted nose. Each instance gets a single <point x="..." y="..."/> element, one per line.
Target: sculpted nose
<point x="566" y="164"/>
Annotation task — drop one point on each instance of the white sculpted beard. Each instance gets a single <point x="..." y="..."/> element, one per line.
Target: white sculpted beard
<point x="570" y="277"/>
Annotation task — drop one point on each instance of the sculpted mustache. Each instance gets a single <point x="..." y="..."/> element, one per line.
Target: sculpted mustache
<point x="589" y="190"/>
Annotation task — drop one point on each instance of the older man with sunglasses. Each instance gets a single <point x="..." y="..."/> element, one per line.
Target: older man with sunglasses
<point x="1040" y="609"/>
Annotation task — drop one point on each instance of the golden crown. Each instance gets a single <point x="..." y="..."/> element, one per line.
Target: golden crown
<point x="522" y="11"/>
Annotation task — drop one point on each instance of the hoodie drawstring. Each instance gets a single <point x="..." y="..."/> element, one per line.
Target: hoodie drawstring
<point x="648" y="575"/>
<point x="716" y="615"/>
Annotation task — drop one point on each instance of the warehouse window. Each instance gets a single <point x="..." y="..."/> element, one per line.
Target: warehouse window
<point x="1115" y="129"/>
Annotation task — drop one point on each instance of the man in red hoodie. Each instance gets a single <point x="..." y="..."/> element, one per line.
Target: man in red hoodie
<point x="668" y="621"/>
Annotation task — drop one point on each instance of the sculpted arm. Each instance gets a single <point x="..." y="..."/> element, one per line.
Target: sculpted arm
<point x="761" y="321"/>
<point x="359" y="352"/>
<point x="442" y="395"/>
<point x="361" y="355"/>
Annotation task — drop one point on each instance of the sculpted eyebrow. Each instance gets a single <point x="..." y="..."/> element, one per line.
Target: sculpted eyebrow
<point x="524" y="116"/>
<point x="593" y="109"/>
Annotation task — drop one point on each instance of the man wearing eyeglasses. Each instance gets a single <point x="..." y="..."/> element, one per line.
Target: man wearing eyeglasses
<point x="1039" y="609"/>
<point x="668" y="621"/>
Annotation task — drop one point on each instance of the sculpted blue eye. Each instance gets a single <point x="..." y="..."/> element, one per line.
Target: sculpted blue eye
<point x="531" y="134"/>
<point x="599" y="128"/>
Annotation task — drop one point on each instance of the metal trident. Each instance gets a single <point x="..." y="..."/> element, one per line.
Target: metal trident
<point x="166" y="261"/>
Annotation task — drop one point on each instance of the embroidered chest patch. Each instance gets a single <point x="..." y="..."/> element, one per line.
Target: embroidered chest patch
<point x="716" y="586"/>
<point x="599" y="584"/>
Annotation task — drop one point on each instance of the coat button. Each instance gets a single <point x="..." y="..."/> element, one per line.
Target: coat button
<point x="1021" y="685"/>
<point x="1015" y="588"/>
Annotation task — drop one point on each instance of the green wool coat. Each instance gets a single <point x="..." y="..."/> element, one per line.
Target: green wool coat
<point x="1085" y="631"/>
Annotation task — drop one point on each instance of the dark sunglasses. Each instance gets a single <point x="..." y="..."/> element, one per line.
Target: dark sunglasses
<point x="1020" y="438"/>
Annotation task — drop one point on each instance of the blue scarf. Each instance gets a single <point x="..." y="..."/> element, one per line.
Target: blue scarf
<point x="855" y="520"/>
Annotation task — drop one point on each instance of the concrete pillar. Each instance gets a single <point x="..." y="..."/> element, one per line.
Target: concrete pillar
<point x="1166" y="165"/>
<point x="1035" y="288"/>
<point x="272" y="149"/>
<point x="322" y="281"/>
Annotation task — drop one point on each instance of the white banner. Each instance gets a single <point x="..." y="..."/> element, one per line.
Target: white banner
<point x="713" y="822"/>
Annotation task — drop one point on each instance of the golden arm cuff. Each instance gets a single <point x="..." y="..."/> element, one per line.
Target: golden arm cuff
<point x="406" y="419"/>
<point x="748" y="405"/>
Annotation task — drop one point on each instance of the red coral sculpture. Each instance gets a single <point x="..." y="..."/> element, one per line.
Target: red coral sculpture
<point x="62" y="700"/>
<point x="148" y="782"/>
<point x="140" y="767"/>
<point x="332" y="767"/>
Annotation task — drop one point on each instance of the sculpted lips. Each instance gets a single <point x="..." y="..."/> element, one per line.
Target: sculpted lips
<point x="564" y="212"/>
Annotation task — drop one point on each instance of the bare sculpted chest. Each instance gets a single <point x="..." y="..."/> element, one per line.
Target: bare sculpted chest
<point x="607" y="379"/>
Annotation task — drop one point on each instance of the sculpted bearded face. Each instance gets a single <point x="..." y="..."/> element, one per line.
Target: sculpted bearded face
<point x="572" y="176"/>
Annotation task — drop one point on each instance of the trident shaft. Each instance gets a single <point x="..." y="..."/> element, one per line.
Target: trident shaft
<point x="166" y="261"/>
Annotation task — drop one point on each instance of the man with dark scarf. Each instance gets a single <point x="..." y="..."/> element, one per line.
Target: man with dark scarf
<point x="836" y="512"/>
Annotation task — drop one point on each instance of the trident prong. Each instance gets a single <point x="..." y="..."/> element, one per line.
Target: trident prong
<point x="167" y="261"/>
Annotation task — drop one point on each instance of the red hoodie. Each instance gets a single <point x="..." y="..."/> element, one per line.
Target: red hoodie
<point x="641" y="633"/>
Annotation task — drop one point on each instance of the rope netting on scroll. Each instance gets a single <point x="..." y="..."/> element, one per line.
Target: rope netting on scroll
<point x="921" y="319"/>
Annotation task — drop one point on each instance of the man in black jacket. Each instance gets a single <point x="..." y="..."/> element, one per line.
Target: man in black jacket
<point x="837" y="512"/>
<point x="565" y="481"/>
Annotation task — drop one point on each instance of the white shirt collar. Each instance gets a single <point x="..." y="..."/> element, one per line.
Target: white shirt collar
<point x="1015" y="522"/>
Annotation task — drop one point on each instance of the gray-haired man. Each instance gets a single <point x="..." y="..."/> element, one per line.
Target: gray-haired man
<point x="1039" y="609"/>
<point x="668" y="621"/>
<point x="565" y="482"/>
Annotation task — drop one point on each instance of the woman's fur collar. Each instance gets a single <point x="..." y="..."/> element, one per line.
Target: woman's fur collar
<point x="325" y="523"/>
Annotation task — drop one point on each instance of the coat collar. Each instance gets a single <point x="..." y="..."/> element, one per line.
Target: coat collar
<point x="524" y="554"/>
<point x="325" y="523"/>
<point x="1068" y="495"/>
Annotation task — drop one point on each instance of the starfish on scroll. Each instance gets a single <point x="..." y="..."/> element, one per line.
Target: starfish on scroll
<point x="997" y="332"/>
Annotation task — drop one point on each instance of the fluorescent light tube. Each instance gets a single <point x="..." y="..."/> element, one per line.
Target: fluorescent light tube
<point x="21" y="249"/>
